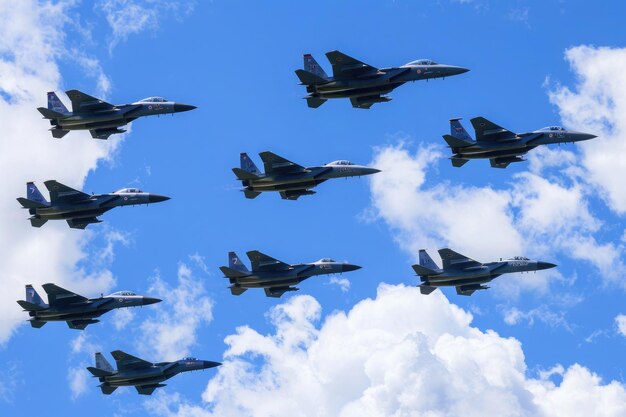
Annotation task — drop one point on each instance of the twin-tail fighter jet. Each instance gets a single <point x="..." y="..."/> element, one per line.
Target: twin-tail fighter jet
<point x="466" y="274"/>
<point x="143" y="375"/>
<point x="77" y="208"/>
<point x="76" y="310"/>
<point x="499" y="145"/>
<point x="274" y="276"/>
<point x="364" y="84"/>
<point x="290" y="179"/>
<point x="99" y="117"/>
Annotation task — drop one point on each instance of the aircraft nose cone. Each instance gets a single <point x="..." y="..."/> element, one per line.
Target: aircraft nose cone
<point x="179" y="107"/>
<point x="370" y="171"/>
<point x="210" y="364"/>
<point x="451" y="70"/>
<point x="586" y="136"/>
<point x="545" y="265"/>
<point x="350" y="267"/>
<point x="157" y="198"/>
<point x="151" y="300"/>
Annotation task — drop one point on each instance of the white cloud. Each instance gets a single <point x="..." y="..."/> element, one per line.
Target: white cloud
<point x="620" y="321"/>
<point x="122" y="317"/>
<point x="31" y="40"/>
<point x="172" y="330"/>
<point x="342" y="283"/>
<point x="77" y="379"/>
<point x="77" y="376"/>
<point x="543" y="313"/>
<point x="400" y="354"/>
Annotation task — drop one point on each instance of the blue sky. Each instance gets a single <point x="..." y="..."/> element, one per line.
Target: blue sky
<point x="235" y="61"/>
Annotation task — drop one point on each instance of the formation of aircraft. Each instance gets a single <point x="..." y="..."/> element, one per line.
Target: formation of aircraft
<point x="274" y="276"/>
<point x="364" y="84"/>
<point x="466" y="274"/>
<point x="143" y="375"/>
<point x="499" y="145"/>
<point x="77" y="208"/>
<point x="77" y="311"/>
<point x="102" y="119"/>
<point x="290" y="179"/>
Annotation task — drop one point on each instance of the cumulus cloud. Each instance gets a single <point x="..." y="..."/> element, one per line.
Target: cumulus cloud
<point x="32" y="39"/>
<point x="540" y="214"/>
<point x="342" y="283"/>
<point x="620" y="321"/>
<point x="400" y="354"/>
<point x="77" y="376"/>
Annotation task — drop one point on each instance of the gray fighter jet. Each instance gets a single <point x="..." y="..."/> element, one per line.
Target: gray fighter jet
<point x="466" y="274"/>
<point x="290" y="179"/>
<point x="78" y="311"/>
<point x="364" y="84"/>
<point x="502" y="146"/>
<point x="274" y="276"/>
<point x="77" y="208"/>
<point x="143" y="375"/>
<point x="99" y="117"/>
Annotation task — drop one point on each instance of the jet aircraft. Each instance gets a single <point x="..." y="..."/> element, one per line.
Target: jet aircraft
<point x="143" y="375"/>
<point x="76" y="310"/>
<point x="274" y="276"/>
<point x="99" y="117"/>
<point x="364" y="84"/>
<point x="466" y="274"/>
<point x="77" y="208"/>
<point x="500" y="145"/>
<point x="290" y="179"/>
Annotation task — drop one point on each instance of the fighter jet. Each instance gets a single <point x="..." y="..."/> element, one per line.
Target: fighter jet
<point x="466" y="274"/>
<point x="502" y="146"/>
<point x="274" y="276"/>
<point x="77" y="208"/>
<point x="364" y="84"/>
<point x="99" y="117"/>
<point x="143" y="375"/>
<point x="76" y="310"/>
<point x="290" y="179"/>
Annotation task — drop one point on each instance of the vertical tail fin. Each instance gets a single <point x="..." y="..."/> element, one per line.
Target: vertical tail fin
<point x="33" y="194"/>
<point x="311" y="65"/>
<point x="247" y="164"/>
<point x="458" y="131"/>
<point x="102" y="363"/>
<point x="235" y="263"/>
<point x="33" y="297"/>
<point x="426" y="261"/>
<point x="55" y="104"/>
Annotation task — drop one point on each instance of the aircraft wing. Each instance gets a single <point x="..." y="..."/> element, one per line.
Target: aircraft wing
<point x="277" y="292"/>
<point x="147" y="389"/>
<point x="125" y="361"/>
<point x="265" y="263"/>
<point x="295" y="194"/>
<point x="61" y="193"/>
<point x="454" y="260"/>
<point x="82" y="102"/>
<point x="81" y="223"/>
<point x="58" y="296"/>
<point x="105" y="133"/>
<point x="487" y="131"/>
<point x="345" y="66"/>
<point x="469" y="289"/>
<point x="274" y="164"/>
<point x="80" y="324"/>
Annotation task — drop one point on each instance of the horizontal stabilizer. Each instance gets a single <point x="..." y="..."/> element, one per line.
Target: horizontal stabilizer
<point x="232" y="273"/>
<point x="423" y="271"/>
<point x="308" y="78"/>
<point x="458" y="162"/>
<point x="50" y="114"/>
<point x="37" y="222"/>
<point x="235" y="290"/>
<point x="251" y="194"/>
<point x="37" y="324"/>
<point x="30" y="306"/>
<point x="456" y="142"/>
<point x="98" y="372"/>
<point x="26" y="203"/>
<point x="315" y="102"/>
<point x="244" y="175"/>
<point x="426" y="289"/>
<point x="107" y="389"/>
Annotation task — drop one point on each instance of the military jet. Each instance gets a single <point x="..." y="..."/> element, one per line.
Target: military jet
<point x="78" y="311"/>
<point x="274" y="276"/>
<point x="502" y="146"/>
<point x="290" y="179"/>
<point x="143" y="375"/>
<point x="466" y="274"/>
<point x="364" y="84"/>
<point x="99" y="117"/>
<point x="77" y="208"/>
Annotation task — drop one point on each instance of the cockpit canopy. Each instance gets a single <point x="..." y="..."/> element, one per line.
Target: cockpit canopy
<point x="153" y="100"/>
<point x="519" y="258"/>
<point x="189" y="358"/>
<point x="128" y="190"/>
<point x="340" y="162"/>
<point x="326" y="260"/>
<point x="422" y="62"/>
<point x="553" y="128"/>
<point x="123" y="293"/>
